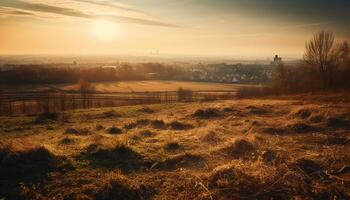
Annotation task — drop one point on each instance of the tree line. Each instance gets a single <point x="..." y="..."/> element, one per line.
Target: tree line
<point x="40" y="74"/>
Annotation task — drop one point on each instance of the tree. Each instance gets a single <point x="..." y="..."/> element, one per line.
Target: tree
<point x="320" y="54"/>
<point x="344" y="54"/>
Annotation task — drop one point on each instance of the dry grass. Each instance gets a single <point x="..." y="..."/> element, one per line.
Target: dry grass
<point x="150" y="86"/>
<point x="242" y="149"/>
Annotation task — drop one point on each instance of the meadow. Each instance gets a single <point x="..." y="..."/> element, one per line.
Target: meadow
<point x="131" y="86"/>
<point x="290" y="147"/>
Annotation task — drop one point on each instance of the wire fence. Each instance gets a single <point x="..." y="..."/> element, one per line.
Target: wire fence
<point x="40" y="102"/>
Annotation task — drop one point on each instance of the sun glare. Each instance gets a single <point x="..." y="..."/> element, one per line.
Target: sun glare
<point x="104" y="30"/>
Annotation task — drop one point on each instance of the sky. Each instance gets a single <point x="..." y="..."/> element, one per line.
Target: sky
<point x="236" y="28"/>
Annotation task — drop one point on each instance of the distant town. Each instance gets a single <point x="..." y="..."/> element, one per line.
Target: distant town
<point x="224" y="72"/>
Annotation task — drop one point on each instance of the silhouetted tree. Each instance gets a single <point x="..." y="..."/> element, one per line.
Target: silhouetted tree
<point x="344" y="54"/>
<point x="320" y="54"/>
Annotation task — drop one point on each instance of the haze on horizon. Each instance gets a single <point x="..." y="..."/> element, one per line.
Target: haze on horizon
<point x="181" y="27"/>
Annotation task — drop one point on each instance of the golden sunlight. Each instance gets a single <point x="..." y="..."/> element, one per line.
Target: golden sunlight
<point x="104" y="30"/>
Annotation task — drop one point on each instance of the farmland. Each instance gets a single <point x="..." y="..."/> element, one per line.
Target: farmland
<point x="32" y="99"/>
<point x="132" y="86"/>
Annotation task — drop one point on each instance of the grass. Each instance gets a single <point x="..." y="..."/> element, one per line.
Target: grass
<point x="242" y="149"/>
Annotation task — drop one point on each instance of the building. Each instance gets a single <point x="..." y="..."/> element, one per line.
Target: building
<point x="277" y="60"/>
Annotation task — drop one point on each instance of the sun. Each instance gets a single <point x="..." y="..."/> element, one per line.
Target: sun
<point x="104" y="30"/>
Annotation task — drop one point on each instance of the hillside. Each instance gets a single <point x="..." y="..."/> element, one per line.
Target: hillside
<point x="284" y="148"/>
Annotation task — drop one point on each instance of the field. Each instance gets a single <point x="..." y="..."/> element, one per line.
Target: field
<point x="135" y="86"/>
<point x="293" y="147"/>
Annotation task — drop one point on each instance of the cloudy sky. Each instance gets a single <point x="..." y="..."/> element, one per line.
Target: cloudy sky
<point x="249" y="28"/>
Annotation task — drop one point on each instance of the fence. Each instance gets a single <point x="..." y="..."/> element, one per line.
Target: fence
<point x="34" y="103"/>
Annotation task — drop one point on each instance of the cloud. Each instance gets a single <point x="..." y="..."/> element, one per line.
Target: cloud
<point x="305" y="25"/>
<point x="111" y="4"/>
<point x="71" y="12"/>
<point x="6" y="11"/>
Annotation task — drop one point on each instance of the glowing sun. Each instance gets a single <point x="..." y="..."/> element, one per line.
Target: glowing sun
<point x="104" y="30"/>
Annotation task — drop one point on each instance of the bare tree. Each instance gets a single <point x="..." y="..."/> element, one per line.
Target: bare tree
<point x="344" y="54"/>
<point x="320" y="54"/>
